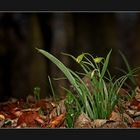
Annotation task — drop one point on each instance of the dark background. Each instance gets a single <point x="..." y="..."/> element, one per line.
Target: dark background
<point x="22" y="68"/>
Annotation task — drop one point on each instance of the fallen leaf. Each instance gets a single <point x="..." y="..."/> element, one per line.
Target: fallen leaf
<point x="61" y="107"/>
<point x="137" y="118"/>
<point x="57" y="121"/>
<point x="131" y="112"/>
<point x="137" y="113"/>
<point x="111" y="124"/>
<point x="53" y="114"/>
<point x="134" y="102"/>
<point x="2" y="117"/>
<point x="30" y="119"/>
<point x="127" y="118"/>
<point x="98" y="123"/>
<point x="1" y="123"/>
<point x="45" y="105"/>
<point x="83" y="121"/>
<point x="115" y="116"/>
<point x="136" y="124"/>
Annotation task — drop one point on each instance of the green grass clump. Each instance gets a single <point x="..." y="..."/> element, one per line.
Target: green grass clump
<point x="131" y="83"/>
<point x="98" y="97"/>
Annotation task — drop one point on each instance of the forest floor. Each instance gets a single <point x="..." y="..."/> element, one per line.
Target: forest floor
<point x="45" y="113"/>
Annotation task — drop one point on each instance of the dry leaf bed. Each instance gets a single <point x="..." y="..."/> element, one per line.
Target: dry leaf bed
<point x="45" y="113"/>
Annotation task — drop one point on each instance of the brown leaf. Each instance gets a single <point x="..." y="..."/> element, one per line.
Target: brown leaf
<point x="137" y="118"/>
<point x="115" y="116"/>
<point x="136" y="124"/>
<point x="137" y="97"/>
<point x="137" y="90"/>
<point x="133" y="113"/>
<point x="134" y="102"/>
<point x="57" y="121"/>
<point x="61" y="107"/>
<point x="98" y="123"/>
<point x="127" y="118"/>
<point x="53" y="114"/>
<point x="111" y="124"/>
<point x="31" y="109"/>
<point x="83" y="121"/>
<point x="123" y="104"/>
<point x="29" y="118"/>
<point x="1" y="123"/>
<point x="45" y="105"/>
<point x="2" y="117"/>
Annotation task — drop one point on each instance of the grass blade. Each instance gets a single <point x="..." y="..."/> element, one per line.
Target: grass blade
<point x="105" y="65"/>
<point x="61" y="66"/>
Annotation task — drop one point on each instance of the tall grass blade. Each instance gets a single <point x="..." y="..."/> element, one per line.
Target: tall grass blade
<point x="61" y="66"/>
<point x="105" y="65"/>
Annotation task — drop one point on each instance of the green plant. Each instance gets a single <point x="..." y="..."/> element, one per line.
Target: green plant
<point x="52" y="89"/>
<point x="131" y="77"/>
<point x="98" y="100"/>
<point x="37" y="93"/>
<point x="73" y="108"/>
<point x="105" y="90"/>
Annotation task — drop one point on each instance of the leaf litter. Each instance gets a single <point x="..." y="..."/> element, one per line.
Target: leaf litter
<point x="46" y="113"/>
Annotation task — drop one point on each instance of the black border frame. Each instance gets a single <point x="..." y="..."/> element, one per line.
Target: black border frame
<point x="68" y="6"/>
<point x="70" y="134"/>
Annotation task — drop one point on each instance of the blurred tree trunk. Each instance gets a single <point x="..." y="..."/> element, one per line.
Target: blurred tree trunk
<point x="37" y="69"/>
<point x="59" y="45"/>
<point x="15" y="54"/>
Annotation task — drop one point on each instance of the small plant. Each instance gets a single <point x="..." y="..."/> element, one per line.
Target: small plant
<point x="53" y="94"/>
<point x="73" y="109"/>
<point x="37" y="93"/>
<point x="96" y="94"/>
